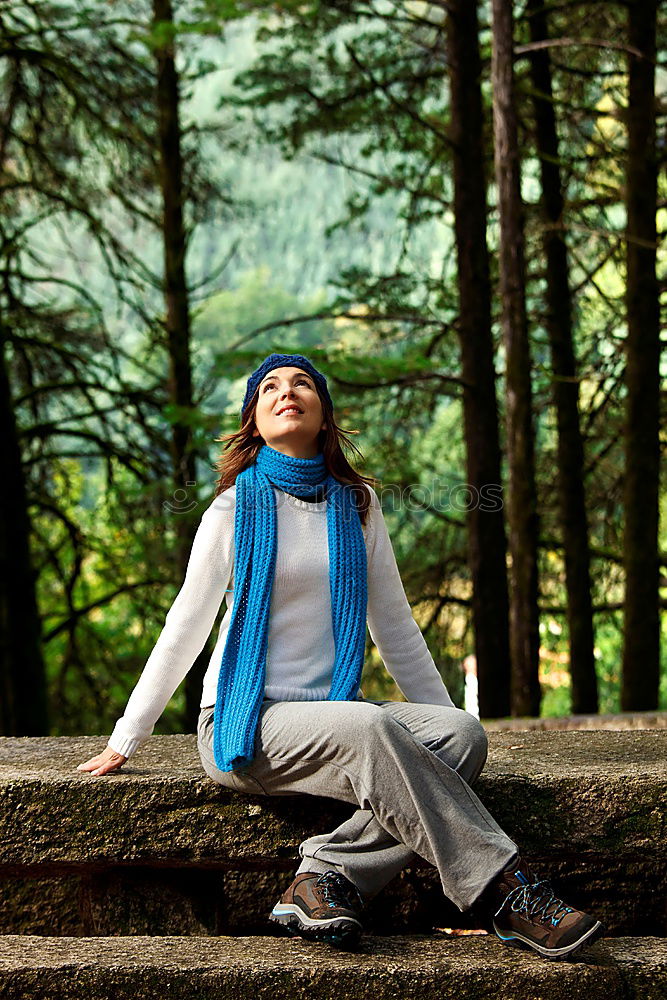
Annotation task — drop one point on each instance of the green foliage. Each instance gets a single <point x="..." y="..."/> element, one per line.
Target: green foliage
<point x="94" y="660"/>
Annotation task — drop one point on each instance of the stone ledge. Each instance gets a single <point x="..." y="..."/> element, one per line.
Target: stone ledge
<point x="414" y="968"/>
<point x="147" y="849"/>
<point x="618" y="721"/>
<point x="560" y="791"/>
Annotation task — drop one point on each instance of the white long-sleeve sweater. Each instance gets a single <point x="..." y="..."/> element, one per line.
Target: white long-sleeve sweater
<point x="301" y="650"/>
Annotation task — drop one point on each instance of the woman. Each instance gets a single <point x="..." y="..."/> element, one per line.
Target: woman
<point x="303" y="535"/>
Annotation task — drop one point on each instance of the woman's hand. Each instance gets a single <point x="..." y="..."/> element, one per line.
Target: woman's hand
<point x="105" y="762"/>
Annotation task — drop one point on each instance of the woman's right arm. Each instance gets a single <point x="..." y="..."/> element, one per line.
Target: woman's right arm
<point x="187" y="626"/>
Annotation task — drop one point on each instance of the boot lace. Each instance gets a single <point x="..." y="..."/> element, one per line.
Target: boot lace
<point x="538" y="900"/>
<point x="338" y="890"/>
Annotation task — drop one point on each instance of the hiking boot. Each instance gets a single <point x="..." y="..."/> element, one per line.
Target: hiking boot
<point x="321" y="907"/>
<point x="528" y="913"/>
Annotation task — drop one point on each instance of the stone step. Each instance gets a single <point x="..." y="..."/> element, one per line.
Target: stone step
<point x="614" y="721"/>
<point x="160" y="848"/>
<point x="421" y="967"/>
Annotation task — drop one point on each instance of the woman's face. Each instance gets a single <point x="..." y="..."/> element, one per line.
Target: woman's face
<point x="292" y="433"/>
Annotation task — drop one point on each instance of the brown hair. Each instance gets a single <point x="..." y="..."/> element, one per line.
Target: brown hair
<point x="242" y="450"/>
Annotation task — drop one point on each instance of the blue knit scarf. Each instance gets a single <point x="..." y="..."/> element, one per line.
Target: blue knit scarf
<point x="242" y="670"/>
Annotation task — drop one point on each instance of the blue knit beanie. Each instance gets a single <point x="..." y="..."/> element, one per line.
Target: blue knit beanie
<point x="285" y="361"/>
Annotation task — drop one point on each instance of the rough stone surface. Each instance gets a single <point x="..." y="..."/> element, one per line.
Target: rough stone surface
<point x="159" y="848"/>
<point x="419" y="967"/>
<point x="613" y="721"/>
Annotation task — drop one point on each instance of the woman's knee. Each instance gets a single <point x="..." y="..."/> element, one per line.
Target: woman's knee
<point x="480" y="740"/>
<point x="472" y="743"/>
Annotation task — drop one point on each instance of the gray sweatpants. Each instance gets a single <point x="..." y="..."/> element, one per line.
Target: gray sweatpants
<point x="408" y="769"/>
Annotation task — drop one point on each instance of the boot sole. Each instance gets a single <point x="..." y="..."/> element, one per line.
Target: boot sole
<point x="342" y="932"/>
<point x="555" y="954"/>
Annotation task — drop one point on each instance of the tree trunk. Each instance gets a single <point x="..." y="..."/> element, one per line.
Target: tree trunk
<point x="574" y="525"/>
<point x="487" y="545"/>
<point x="641" y="653"/>
<point x="177" y="316"/>
<point x="523" y="524"/>
<point x="23" y="695"/>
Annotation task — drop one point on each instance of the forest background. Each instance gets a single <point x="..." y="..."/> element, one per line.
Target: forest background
<point x="456" y="210"/>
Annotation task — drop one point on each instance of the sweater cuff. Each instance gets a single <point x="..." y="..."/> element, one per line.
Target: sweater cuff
<point x="123" y="743"/>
